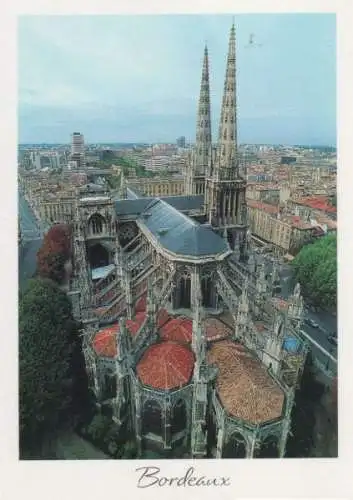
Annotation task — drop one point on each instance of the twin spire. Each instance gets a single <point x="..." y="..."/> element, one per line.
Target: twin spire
<point x="227" y="138"/>
<point x="203" y="127"/>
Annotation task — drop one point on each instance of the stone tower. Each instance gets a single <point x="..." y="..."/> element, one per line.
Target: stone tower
<point x="201" y="156"/>
<point x="225" y="197"/>
<point x="82" y="279"/>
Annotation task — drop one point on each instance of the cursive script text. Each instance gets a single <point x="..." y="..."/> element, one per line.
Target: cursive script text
<point x="150" y="476"/>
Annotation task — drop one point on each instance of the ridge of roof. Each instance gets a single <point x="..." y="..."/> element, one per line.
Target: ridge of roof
<point x="178" y="233"/>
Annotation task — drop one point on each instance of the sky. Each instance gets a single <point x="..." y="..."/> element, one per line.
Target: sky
<point x="137" y="78"/>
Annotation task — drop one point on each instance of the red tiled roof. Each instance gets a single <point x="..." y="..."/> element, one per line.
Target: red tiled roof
<point x="331" y="224"/>
<point x="266" y="207"/>
<point x="178" y="329"/>
<point x="104" y="342"/>
<point x="317" y="202"/>
<point x="166" y="365"/>
<point x="215" y="329"/>
<point x="299" y="223"/>
<point x="244" y="387"/>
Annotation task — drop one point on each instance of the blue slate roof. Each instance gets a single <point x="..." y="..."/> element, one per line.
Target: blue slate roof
<point x="183" y="202"/>
<point x="132" y="207"/>
<point x="135" y="206"/>
<point x="178" y="233"/>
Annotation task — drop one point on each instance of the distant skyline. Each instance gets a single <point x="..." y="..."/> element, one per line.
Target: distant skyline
<point x="137" y="78"/>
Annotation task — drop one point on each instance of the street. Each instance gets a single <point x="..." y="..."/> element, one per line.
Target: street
<point x="30" y="227"/>
<point x="31" y="241"/>
<point x="327" y="322"/>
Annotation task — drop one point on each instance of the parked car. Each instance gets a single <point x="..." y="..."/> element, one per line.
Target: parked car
<point x="311" y="323"/>
<point x="332" y="339"/>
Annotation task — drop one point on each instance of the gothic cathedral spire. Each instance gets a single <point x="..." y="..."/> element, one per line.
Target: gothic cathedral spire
<point x="203" y="131"/>
<point x="225" y="187"/>
<point x="201" y="156"/>
<point x="227" y="137"/>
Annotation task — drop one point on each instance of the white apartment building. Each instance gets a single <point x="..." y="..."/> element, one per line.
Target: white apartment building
<point x="77" y="144"/>
<point x="78" y="149"/>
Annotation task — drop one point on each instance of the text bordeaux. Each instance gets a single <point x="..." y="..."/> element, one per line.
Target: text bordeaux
<point x="150" y="476"/>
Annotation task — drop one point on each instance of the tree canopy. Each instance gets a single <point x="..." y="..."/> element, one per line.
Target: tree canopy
<point x="127" y="163"/>
<point x="54" y="252"/>
<point x="50" y="363"/>
<point x="114" y="181"/>
<point x="60" y="234"/>
<point x="315" y="267"/>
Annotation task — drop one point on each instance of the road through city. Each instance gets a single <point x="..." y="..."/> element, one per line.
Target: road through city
<point x="31" y="229"/>
<point x="326" y="323"/>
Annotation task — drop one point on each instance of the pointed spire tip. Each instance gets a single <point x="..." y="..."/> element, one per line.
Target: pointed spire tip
<point x="232" y="30"/>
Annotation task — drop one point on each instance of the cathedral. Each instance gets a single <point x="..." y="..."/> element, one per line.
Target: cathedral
<point x="186" y="344"/>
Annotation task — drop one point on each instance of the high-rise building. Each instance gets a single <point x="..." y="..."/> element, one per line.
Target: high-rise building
<point x="77" y="145"/>
<point x="78" y="149"/>
<point x="181" y="142"/>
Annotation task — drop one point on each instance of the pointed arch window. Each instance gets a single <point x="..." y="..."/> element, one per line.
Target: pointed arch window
<point x="179" y="417"/>
<point x="236" y="446"/>
<point x="96" y="223"/>
<point x="110" y="386"/>
<point x="268" y="448"/>
<point x="152" y="420"/>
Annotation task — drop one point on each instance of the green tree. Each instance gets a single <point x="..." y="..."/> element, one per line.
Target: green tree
<point x="114" y="181"/>
<point x="333" y="200"/>
<point x="315" y="267"/>
<point x="51" y="365"/>
<point x="127" y="163"/>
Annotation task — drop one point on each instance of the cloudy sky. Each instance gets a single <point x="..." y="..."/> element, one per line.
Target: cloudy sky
<point x="137" y="78"/>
